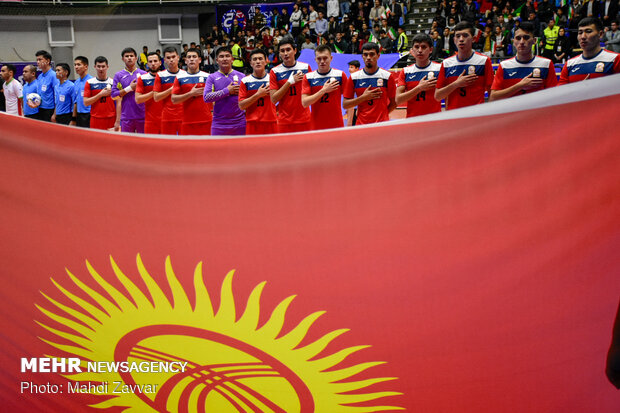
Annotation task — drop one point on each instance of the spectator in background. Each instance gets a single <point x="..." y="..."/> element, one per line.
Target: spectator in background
<point x="313" y="16"/>
<point x="333" y="8"/>
<point x="142" y="60"/>
<point x="376" y="12"/>
<point x="340" y="44"/>
<point x="285" y="20"/>
<point x="321" y="25"/>
<point x="562" y="49"/>
<point x="612" y="38"/>
<point x="609" y="12"/>
<point x="591" y="8"/>
<point x="469" y="11"/>
<point x="296" y="17"/>
<point x="550" y="35"/>
<point x="386" y="43"/>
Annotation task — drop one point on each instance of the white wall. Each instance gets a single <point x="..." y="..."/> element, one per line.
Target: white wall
<point x="94" y="36"/>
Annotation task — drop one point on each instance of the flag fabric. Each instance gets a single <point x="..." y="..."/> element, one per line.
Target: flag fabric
<point x="373" y="39"/>
<point x="517" y="11"/>
<point x="466" y="260"/>
<point x="386" y="13"/>
<point x="338" y="50"/>
<point x="392" y="33"/>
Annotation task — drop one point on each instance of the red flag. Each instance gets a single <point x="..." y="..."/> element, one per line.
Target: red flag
<point x="465" y="261"/>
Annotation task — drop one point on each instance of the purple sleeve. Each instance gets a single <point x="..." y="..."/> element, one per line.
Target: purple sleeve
<point x="213" y="96"/>
<point x="115" y="90"/>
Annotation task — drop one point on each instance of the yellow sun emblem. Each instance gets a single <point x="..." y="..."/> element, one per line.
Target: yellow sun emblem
<point x="232" y="365"/>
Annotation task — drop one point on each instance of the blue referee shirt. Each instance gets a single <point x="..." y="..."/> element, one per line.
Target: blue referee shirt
<point x="64" y="97"/>
<point x="47" y="81"/>
<point x="28" y="89"/>
<point x="78" y="94"/>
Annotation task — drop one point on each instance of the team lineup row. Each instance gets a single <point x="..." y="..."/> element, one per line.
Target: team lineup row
<point x="193" y="102"/>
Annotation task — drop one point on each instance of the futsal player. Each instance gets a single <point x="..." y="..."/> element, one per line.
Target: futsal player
<point x="260" y="112"/>
<point x="524" y="73"/>
<point x="171" y="115"/>
<point x="374" y="87"/>
<point x="594" y="61"/>
<point x="222" y="89"/>
<point x="285" y="89"/>
<point x="466" y="76"/>
<point x="98" y="95"/>
<point x="125" y="81"/>
<point x="144" y="94"/>
<point x="323" y="90"/>
<point x="416" y="83"/>
<point x="188" y="90"/>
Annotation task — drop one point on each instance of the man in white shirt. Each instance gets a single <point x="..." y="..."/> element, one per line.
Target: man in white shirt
<point x="12" y="90"/>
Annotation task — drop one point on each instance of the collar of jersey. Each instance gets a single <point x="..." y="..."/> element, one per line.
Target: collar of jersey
<point x="459" y="60"/>
<point x="590" y="58"/>
<point x="524" y="63"/>
<point x="428" y="65"/>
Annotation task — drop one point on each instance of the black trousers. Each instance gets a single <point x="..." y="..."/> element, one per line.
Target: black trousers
<point x="83" y="120"/>
<point x="33" y="116"/>
<point x="46" y="114"/>
<point x="64" y="119"/>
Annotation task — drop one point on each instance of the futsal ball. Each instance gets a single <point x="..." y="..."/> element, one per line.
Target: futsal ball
<point x="34" y="98"/>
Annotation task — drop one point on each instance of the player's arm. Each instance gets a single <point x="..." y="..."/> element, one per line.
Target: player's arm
<point x="159" y="94"/>
<point x="308" y="99"/>
<point x="564" y="75"/>
<point x="176" y="97"/>
<point x="249" y="101"/>
<point x="462" y="81"/>
<point x="391" y="91"/>
<point x="527" y="83"/>
<point x="552" y="79"/>
<point x="403" y="96"/>
<point x="278" y="94"/>
<point x="140" y="96"/>
<point x="88" y="101"/>
<point x="20" y="105"/>
<point x="212" y="95"/>
<point x="369" y="94"/>
<point x="117" y="122"/>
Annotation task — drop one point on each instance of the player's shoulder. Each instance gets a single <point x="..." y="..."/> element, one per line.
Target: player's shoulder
<point x="280" y="68"/>
<point x="479" y="58"/>
<point x="540" y="61"/>
<point x="147" y="76"/>
<point x="608" y="55"/>
<point x="450" y="61"/>
<point x="302" y="66"/>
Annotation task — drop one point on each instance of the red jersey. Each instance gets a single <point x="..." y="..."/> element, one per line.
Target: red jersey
<point x="327" y="111"/>
<point x="452" y="68"/>
<point x="424" y="102"/>
<point x="511" y="71"/>
<point x="578" y="68"/>
<point x="290" y="109"/>
<point x="104" y="107"/>
<point x="195" y="109"/>
<point x="263" y="110"/>
<point x="145" y="84"/>
<point x="375" y="110"/>
<point x="164" y="81"/>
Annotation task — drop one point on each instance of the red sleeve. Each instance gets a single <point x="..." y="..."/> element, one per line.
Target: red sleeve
<point x="617" y="64"/>
<point x="139" y="85"/>
<point x="391" y="86"/>
<point x="87" y="90"/>
<point x="441" y="78"/>
<point x="305" y="86"/>
<point x="488" y="74"/>
<point x="157" y="84"/>
<point x="401" y="78"/>
<point x="348" y="91"/>
<point x="564" y="75"/>
<point x="343" y="83"/>
<point x="552" y="79"/>
<point x="243" y="91"/>
<point x="273" y="81"/>
<point x="176" y="87"/>
<point x="498" y="78"/>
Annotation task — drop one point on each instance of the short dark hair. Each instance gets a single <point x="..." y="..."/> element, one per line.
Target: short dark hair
<point x="527" y="27"/>
<point x="587" y="21"/>
<point x="30" y="67"/>
<point x="371" y="46"/>
<point x="129" y="50"/>
<point x="422" y="38"/>
<point x="288" y="40"/>
<point x="11" y="68"/>
<point x="66" y="67"/>
<point x="82" y="59"/>
<point x="223" y="49"/>
<point x="322" y="48"/>
<point x="355" y="63"/>
<point x="170" y="49"/>
<point x="465" y="25"/>
<point x="258" y="51"/>
<point x="152" y="54"/>
<point x="101" y="59"/>
<point x="45" y="54"/>
<point x="195" y="50"/>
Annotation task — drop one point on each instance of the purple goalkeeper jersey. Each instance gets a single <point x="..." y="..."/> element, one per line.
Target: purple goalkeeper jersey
<point x="129" y="109"/>
<point x="226" y="112"/>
